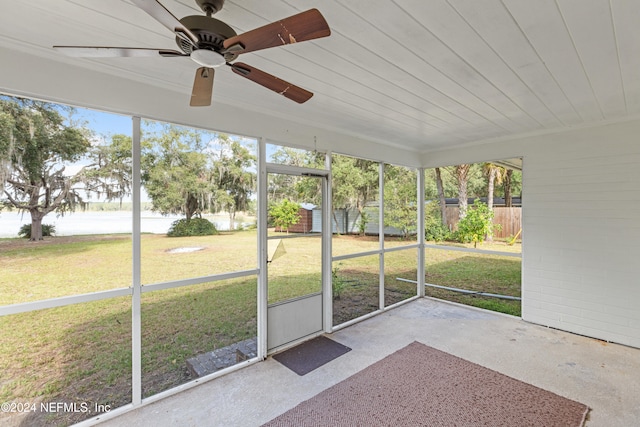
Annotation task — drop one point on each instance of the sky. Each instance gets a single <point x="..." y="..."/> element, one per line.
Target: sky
<point x="106" y="123"/>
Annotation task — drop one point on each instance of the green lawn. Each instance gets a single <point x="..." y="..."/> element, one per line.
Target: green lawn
<point x="83" y="352"/>
<point x="474" y="272"/>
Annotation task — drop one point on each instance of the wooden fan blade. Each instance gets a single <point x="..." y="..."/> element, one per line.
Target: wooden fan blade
<point x="202" y="87"/>
<point x="112" y="52"/>
<point x="280" y="86"/>
<point x="166" y="18"/>
<point x="304" y="26"/>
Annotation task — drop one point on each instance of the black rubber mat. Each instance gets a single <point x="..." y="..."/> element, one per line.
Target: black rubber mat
<point x="311" y="354"/>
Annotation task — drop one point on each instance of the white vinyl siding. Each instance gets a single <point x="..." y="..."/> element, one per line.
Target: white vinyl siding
<point x="581" y="219"/>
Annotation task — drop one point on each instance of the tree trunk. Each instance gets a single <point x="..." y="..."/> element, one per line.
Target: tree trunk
<point x="36" y="225"/>
<point x="191" y="206"/>
<point x="462" y="176"/>
<point x="346" y="226"/>
<point x="490" y="188"/>
<point x="232" y="219"/>
<point x="507" y="188"/>
<point x="492" y="178"/>
<point x="364" y="219"/>
<point x="441" y="200"/>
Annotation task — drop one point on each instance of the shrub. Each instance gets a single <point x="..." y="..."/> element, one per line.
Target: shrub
<point x="458" y="236"/>
<point x="285" y="214"/>
<point x="434" y="229"/>
<point x="477" y="223"/>
<point x="192" y="227"/>
<point x="47" y="230"/>
<point x="337" y="283"/>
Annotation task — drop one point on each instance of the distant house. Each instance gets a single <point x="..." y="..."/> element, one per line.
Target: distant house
<point x="347" y="221"/>
<point x="497" y="201"/>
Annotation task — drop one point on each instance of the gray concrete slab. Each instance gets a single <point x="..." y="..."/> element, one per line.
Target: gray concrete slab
<point x="604" y="376"/>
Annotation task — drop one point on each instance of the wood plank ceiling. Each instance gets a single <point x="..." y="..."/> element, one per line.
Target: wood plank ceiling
<point x="419" y="74"/>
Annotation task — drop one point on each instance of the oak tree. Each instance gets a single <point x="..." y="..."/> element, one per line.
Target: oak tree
<point x="48" y="165"/>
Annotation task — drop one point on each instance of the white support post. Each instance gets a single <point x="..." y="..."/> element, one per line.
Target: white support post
<point x="421" y="248"/>
<point x="263" y="294"/>
<point x="327" y="234"/>
<point x="136" y="320"/>
<point x="381" y="231"/>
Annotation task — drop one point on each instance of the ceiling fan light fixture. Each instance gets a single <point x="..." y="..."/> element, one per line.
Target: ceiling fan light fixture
<point x="208" y="58"/>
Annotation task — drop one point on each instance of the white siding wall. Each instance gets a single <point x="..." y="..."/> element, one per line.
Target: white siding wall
<point x="581" y="218"/>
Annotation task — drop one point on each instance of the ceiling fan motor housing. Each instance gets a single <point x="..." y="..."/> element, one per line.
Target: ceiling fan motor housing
<point x="211" y="34"/>
<point x="210" y="6"/>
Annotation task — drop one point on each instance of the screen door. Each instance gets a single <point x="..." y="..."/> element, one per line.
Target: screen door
<point x="294" y="263"/>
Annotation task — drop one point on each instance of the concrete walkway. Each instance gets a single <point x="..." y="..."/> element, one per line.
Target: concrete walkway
<point x="604" y="376"/>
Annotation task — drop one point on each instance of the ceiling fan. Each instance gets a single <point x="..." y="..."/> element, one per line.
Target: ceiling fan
<point x="212" y="43"/>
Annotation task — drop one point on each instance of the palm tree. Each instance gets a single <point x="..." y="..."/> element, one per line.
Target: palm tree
<point x="462" y="179"/>
<point x="495" y="175"/>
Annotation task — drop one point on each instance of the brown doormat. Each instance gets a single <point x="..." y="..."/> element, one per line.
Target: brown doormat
<point x="311" y="354"/>
<point x="421" y="386"/>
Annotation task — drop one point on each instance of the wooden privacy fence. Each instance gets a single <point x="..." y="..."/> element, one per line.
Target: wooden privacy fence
<point x="509" y="218"/>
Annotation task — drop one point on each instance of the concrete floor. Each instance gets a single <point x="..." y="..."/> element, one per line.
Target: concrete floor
<point x="604" y="376"/>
